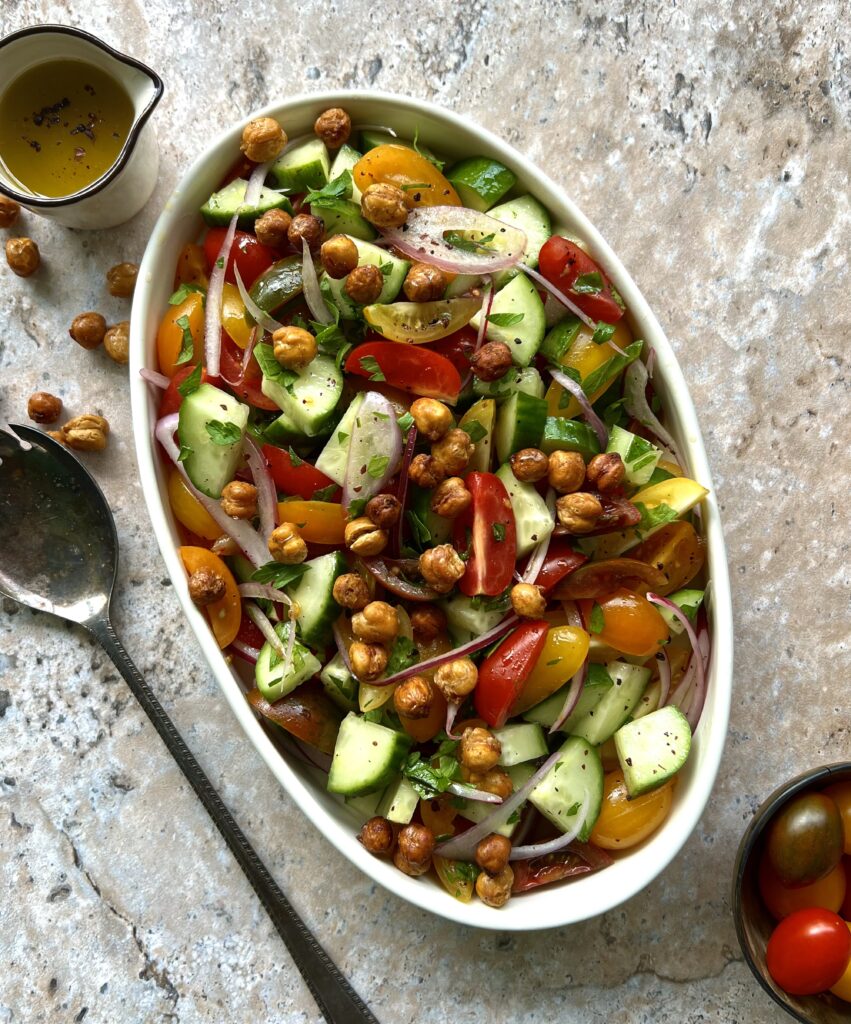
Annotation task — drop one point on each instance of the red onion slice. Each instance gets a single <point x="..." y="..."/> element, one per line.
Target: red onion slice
<point x="249" y="351"/>
<point x="262" y="622"/>
<point x="246" y="652"/>
<point x="310" y="286"/>
<point x="572" y="697"/>
<point x="697" y="657"/>
<point x="315" y="758"/>
<point x="238" y="529"/>
<point x="267" y="496"/>
<point x="452" y="709"/>
<point x="664" y="677"/>
<point x="375" y="128"/>
<point x="421" y="236"/>
<point x="265" y="593"/>
<point x="375" y="449"/>
<point x="259" y="315"/>
<point x="399" y="531"/>
<point x="558" y="294"/>
<point x="487" y="306"/>
<point x="572" y="614"/>
<point x="340" y="641"/>
<point x="559" y="843"/>
<point x="593" y="420"/>
<point x="255" y="184"/>
<point x="213" y="307"/>
<point x="159" y="380"/>
<point x="471" y="793"/>
<point x="635" y="403"/>
<point x="383" y="572"/>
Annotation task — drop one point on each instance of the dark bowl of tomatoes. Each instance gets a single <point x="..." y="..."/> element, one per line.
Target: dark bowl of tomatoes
<point x="791" y="895"/>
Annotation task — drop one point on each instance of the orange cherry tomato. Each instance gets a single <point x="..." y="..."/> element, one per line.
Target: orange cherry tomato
<point x="676" y="551"/>
<point x="584" y="356"/>
<point x="840" y="792"/>
<point x="631" y="624"/>
<point x="623" y="822"/>
<point x="225" y="615"/>
<point x="233" y="315"/>
<point x="191" y="266"/>
<point x="783" y="900"/>
<point x="170" y="333"/>
<point x="319" y="522"/>
<point x="189" y="511"/>
<point x="400" y="165"/>
<point x="439" y="815"/>
<point x="424" y="729"/>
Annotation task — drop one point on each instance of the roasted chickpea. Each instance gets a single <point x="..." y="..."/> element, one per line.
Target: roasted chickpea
<point x="578" y="512"/>
<point x="239" y="500"/>
<point x="9" y="211"/>
<point x="529" y="465"/>
<point x="497" y="781"/>
<point x="566" y="471"/>
<point x="377" y="623"/>
<point x="86" y="433"/>
<point x="606" y="472"/>
<point x="453" y="451"/>
<point x="384" y="205"/>
<point x="424" y="283"/>
<point x="116" y="342"/>
<point x="286" y="544"/>
<point x="413" y="698"/>
<point x="495" y="890"/>
<point x="121" y="279"/>
<point x="456" y="679"/>
<point x="479" y="750"/>
<point x="351" y="591"/>
<point x="441" y="567"/>
<point x="88" y="329"/>
<point x="451" y="498"/>
<point x="333" y="126"/>
<point x="294" y="347"/>
<point x="428" y="622"/>
<point x="492" y="361"/>
<point x="368" y="660"/>
<point x="377" y="836"/>
<point x="414" y="848"/>
<point x="363" y="284"/>
<point x="432" y="418"/>
<point x="425" y="471"/>
<point x="363" y="537"/>
<point x="339" y="256"/>
<point x="492" y="853"/>
<point x="206" y="586"/>
<point x="271" y="229"/>
<point x="307" y="227"/>
<point x="384" y="510"/>
<point x="43" y="407"/>
<point x="528" y="601"/>
<point x="263" y="139"/>
<point x="23" y="256"/>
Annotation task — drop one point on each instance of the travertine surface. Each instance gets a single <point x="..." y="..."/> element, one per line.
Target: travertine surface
<point x="710" y="143"/>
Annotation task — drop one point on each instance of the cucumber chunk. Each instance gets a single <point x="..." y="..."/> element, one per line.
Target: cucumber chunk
<point x="530" y="216"/>
<point x="532" y="519"/>
<point x="616" y="705"/>
<point x="476" y="811"/>
<point x="334" y="457"/>
<point x="282" y="431"/>
<point x="639" y="457"/>
<point x="269" y="670"/>
<point x="520" y="424"/>
<point x="480" y="182"/>
<point x="576" y="776"/>
<point x="303" y="167"/>
<point x="340" y="685"/>
<point x="483" y="414"/>
<point x="222" y="205"/>
<point x="474" y="615"/>
<point x="558" y="341"/>
<point x="310" y="398"/>
<point x="366" y="756"/>
<point x="525" y="379"/>
<point x="370" y="138"/>
<point x="653" y="749"/>
<point x="519" y="298"/>
<point x="366" y="806"/>
<point x="688" y="601"/>
<point x="313" y="593"/>
<point x="565" y="435"/>
<point x="345" y="160"/>
<point x="342" y="217"/>
<point x="548" y="710"/>
<point x="208" y="416"/>
<point x="521" y="741"/>
<point x="393" y="269"/>
<point x="399" y="802"/>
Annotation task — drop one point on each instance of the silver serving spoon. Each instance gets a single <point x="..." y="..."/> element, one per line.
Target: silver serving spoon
<point x="60" y="554"/>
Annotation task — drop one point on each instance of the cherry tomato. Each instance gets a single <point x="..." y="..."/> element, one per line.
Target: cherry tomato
<point x="529" y="874"/>
<point x="416" y="323"/>
<point x="563" y="264"/>
<point x="319" y="522"/>
<point x="188" y="510"/>
<point x="307" y="713"/>
<point x="624" y="822"/>
<point x="249" y="633"/>
<point x="840" y="793"/>
<point x="782" y="900"/>
<point x="401" y="165"/>
<point x="439" y="815"/>
<point x="246" y="387"/>
<point x="457" y="348"/>
<point x="631" y="624"/>
<point x="191" y="266"/>
<point x="251" y="256"/>
<point x="487" y="532"/>
<point x="584" y="356"/>
<point x="170" y="333"/>
<point x="808" y="951"/>
<point x="421" y="730"/>
<point x="598" y="578"/>
<point x="233" y="315"/>
<point x="561" y="560"/>
<point x="171" y="399"/>
<point x="225" y="614"/>
<point x="416" y="370"/>
<point x="563" y="652"/>
<point x="842" y="988"/>
<point x="676" y="551"/>
<point x="303" y="479"/>
<point x="805" y="839"/>
<point x="503" y="673"/>
<point x="455" y="877"/>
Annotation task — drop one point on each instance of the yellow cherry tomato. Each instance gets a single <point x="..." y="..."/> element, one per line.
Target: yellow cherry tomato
<point x="414" y="322"/>
<point x="623" y="822"/>
<point x="843" y="987"/>
<point x="585" y="356"/>
<point x="680" y="494"/>
<point x="319" y="522"/>
<point x="676" y="551"/>
<point x="563" y="652"/>
<point x="439" y="815"/>
<point x="782" y="900"/>
<point x="226" y="614"/>
<point x="455" y="878"/>
<point x="191" y="266"/>
<point x="400" y="165"/>
<point x="233" y="315"/>
<point x="189" y="511"/>
<point x="631" y="624"/>
<point x="170" y="333"/>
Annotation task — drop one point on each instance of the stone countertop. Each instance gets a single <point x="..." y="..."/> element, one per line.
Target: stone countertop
<point x="710" y="143"/>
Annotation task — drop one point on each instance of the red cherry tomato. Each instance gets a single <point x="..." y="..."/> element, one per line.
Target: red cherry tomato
<point x="302" y="479"/>
<point x="457" y="348"/>
<point x="486" y="531"/>
<point x="246" y="388"/>
<point x="247" y="253"/>
<point x="172" y="398"/>
<point x="562" y="263"/>
<point x="503" y="673"/>
<point x="412" y="368"/>
<point x="561" y="560"/>
<point x="808" y="951"/>
<point x="529" y="874"/>
<point x="249" y="633"/>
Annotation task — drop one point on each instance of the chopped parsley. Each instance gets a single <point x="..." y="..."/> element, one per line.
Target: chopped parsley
<point x="505" y="319"/>
<point x="474" y="430"/>
<point x="338" y="188"/>
<point x="596" y="621"/>
<point x="602" y="333"/>
<point x="183" y="293"/>
<point x="402" y="656"/>
<point x="369" y="364"/>
<point x="222" y="433"/>
<point x="406" y="421"/>
<point x="430" y="780"/>
<point x="377" y="466"/>
<point x="498" y="530"/>
<point x="187" y="343"/>
<point x="272" y="369"/>
<point x="459" y="241"/>
<point x="191" y="383"/>
<point x="279" y="576"/>
<point x="658" y="515"/>
<point x="588" y="284"/>
<point x="325" y="493"/>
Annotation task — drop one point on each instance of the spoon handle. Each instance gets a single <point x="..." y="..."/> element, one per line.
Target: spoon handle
<point x="336" y="998"/>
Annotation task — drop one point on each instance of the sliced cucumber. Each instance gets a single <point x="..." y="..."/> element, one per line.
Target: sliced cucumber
<point x="639" y="457"/>
<point x="565" y="435"/>
<point x="558" y="341"/>
<point x="309" y="400"/>
<point x="282" y="431"/>
<point x="393" y="269"/>
<point x="342" y="217"/>
<point x="617" y="704"/>
<point x="480" y="182"/>
<point x="345" y="160"/>
<point x="366" y="806"/>
<point x="334" y="457"/>
<point x="653" y="749"/>
<point x="519" y="298"/>
<point x="313" y="593"/>
<point x="576" y="777"/>
<point x="419" y="505"/>
<point x="222" y="205"/>
<point x="530" y="216"/>
<point x="371" y="138"/>
<point x="303" y="167"/>
<point x="269" y="670"/>
<point x="482" y="413"/>
<point x="474" y="615"/>
<point x="521" y="741"/>
<point x="688" y="601"/>
<point x="366" y="756"/>
<point x="399" y="802"/>
<point x="649" y="702"/>
<point x="340" y="685"/>
<point x="532" y="519"/>
<point x="208" y="416"/>
<point x="547" y="712"/>
<point x="525" y="379"/>
<point x="462" y="284"/>
<point x="520" y="424"/>
<point x="477" y="811"/>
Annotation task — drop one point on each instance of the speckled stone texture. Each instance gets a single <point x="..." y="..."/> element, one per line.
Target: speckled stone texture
<point x="710" y="143"/>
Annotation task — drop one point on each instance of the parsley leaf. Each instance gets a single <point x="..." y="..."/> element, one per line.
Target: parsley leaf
<point x="596" y="621"/>
<point x="439" y="164"/>
<point x="421" y="533"/>
<point x="295" y="459"/>
<point x="377" y="466"/>
<point x="474" y="430"/>
<point x="405" y="422"/>
<point x="458" y="241"/>
<point x="342" y="436"/>
<point x="505" y="319"/>
<point x="430" y="780"/>
<point x="588" y="284"/>
<point x="338" y="188"/>
<point x="602" y="333"/>
<point x="605" y="374"/>
<point x="413" y="185"/>
<point x="185" y="452"/>
<point x="403" y="655"/>
<point x="272" y="369"/>
<point x="222" y="433"/>
<point x="325" y="493"/>
<point x="191" y="383"/>
<point x="330" y="339"/>
<point x="499" y="603"/>
<point x="386" y="269"/>
<point x="187" y="344"/>
<point x="598" y="675"/>
<point x="369" y="364"/>
<point x="498" y="530"/>
<point x="356" y="507"/>
<point x="277" y="575"/>
<point x="183" y="293"/>
<point x="658" y="515"/>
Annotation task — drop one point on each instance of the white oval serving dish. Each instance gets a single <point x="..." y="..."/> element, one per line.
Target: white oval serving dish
<point x="452" y="135"/>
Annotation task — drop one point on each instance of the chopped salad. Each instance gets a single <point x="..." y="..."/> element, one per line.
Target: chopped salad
<point x="430" y="508"/>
